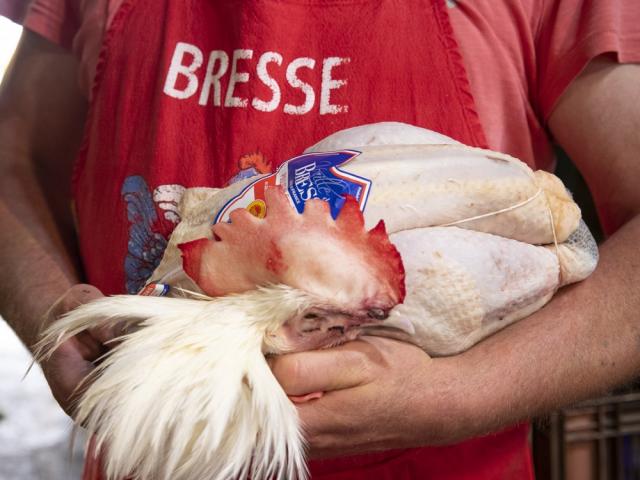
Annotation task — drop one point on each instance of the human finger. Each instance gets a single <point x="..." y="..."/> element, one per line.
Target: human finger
<point x="75" y="296"/>
<point x="97" y="338"/>
<point x="324" y="370"/>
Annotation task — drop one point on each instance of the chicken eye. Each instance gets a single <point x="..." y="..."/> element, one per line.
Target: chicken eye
<point x="377" y="313"/>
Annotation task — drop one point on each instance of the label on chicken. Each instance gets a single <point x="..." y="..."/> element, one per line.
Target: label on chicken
<point x="251" y="198"/>
<point x="154" y="290"/>
<point x="312" y="175"/>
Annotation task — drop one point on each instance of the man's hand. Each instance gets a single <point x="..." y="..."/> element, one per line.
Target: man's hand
<point x="73" y="360"/>
<point x="379" y="394"/>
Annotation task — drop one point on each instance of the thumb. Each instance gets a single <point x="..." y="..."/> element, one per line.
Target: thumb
<point x="70" y="299"/>
<point x="337" y="368"/>
<point x="75" y="296"/>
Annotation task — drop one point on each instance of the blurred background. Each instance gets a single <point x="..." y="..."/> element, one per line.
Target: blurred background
<point x="34" y="432"/>
<point x="9" y="36"/>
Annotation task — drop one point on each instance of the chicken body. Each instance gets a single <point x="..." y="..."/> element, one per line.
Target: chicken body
<point x="464" y="285"/>
<point x="484" y="240"/>
<point x="477" y="241"/>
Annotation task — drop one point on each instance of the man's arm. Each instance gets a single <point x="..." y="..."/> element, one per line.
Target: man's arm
<point x="41" y="117"/>
<point x="384" y="394"/>
<point x="587" y="340"/>
<point x="41" y="120"/>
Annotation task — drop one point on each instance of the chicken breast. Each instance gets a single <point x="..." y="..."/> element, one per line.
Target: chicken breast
<point x="463" y="286"/>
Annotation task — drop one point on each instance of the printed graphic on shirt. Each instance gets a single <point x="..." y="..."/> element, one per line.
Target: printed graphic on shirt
<point x="167" y="197"/>
<point x="145" y="246"/>
<point x="219" y="83"/>
<point x="250" y="165"/>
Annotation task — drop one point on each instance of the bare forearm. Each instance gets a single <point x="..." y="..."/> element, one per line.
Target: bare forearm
<point x="41" y="118"/>
<point x="37" y="266"/>
<point x="586" y="341"/>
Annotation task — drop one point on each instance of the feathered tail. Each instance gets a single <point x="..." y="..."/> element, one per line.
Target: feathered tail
<point x="187" y="395"/>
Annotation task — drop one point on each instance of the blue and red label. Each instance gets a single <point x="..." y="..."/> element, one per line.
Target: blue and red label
<point x="307" y="176"/>
<point x="155" y="290"/>
<point x="316" y="175"/>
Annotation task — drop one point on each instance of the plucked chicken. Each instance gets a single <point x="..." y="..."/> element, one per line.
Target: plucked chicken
<point x="384" y="229"/>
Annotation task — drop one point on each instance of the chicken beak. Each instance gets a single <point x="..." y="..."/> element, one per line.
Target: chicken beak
<point x="400" y="322"/>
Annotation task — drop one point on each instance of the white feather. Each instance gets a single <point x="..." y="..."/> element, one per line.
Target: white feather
<point x="188" y="394"/>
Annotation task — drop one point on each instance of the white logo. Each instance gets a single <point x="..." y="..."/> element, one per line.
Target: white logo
<point x="168" y="197"/>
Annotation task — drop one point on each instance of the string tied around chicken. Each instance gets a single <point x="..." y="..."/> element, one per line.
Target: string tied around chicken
<point x="510" y="208"/>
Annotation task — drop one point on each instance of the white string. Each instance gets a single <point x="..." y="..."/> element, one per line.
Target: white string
<point x="513" y="207"/>
<point x="555" y="239"/>
<point x="496" y="212"/>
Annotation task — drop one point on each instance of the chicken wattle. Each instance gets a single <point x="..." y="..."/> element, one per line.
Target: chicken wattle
<point x="301" y="259"/>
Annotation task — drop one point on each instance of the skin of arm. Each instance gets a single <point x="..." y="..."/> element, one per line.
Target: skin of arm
<point x="41" y="120"/>
<point x="382" y="394"/>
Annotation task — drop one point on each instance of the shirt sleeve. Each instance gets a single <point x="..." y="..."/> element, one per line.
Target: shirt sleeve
<point x="55" y="20"/>
<point x="573" y="32"/>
